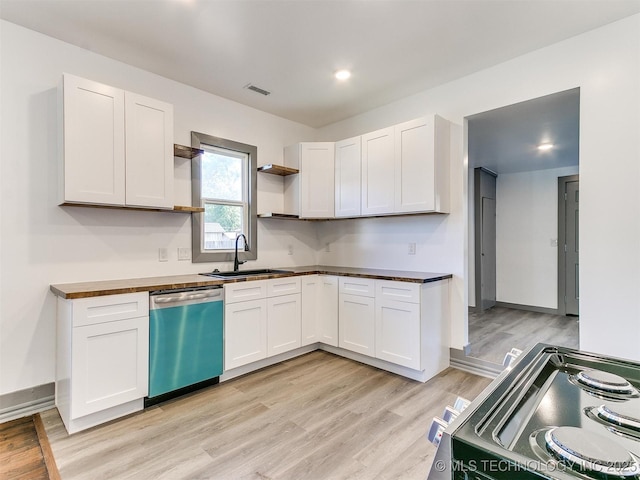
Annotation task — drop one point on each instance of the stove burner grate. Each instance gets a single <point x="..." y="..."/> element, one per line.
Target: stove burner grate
<point x="591" y="452"/>
<point x="618" y="415"/>
<point x="605" y="383"/>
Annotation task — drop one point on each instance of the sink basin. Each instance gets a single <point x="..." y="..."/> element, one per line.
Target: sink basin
<point x="246" y="273"/>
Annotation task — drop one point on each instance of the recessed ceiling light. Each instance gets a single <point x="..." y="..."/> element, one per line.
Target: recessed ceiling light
<point x="545" y="146"/>
<point x="342" y="74"/>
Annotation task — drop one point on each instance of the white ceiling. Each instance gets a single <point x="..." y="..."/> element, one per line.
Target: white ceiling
<point x="291" y="48"/>
<point x="505" y="140"/>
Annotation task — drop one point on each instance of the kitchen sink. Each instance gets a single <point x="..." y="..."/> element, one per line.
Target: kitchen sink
<point x="245" y="273"/>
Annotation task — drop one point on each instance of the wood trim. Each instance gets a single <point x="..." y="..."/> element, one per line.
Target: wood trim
<point x="45" y="446"/>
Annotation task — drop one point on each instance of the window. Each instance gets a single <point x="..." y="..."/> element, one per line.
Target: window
<point x="224" y="183"/>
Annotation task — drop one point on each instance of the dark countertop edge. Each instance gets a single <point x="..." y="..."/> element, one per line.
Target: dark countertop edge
<point x="101" y="288"/>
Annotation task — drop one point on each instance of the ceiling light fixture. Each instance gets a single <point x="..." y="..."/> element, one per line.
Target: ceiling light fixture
<point x="343" y="74"/>
<point x="543" y="147"/>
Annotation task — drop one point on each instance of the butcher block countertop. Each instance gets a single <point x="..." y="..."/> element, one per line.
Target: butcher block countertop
<point x="132" y="285"/>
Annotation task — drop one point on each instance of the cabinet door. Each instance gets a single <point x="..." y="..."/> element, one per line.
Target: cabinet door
<point x="414" y="166"/>
<point x="149" y="152"/>
<point x="93" y="149"/>
<point x="348" y="178"/>
<point x="378" y="172"/>
<point x="328" y="310"/>
<point x="398" y="332"/>
<point x="317" y="180"/>
<point x="245" y="333"/>
<point x="357" y="324"/>
<point x="109" y="365"/>
<point x="283" y="324"/>
<point x="310" y="305"/>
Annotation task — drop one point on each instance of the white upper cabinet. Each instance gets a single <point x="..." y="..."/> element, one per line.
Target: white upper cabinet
<point x="347" y="178"/>
<point x="378" y="172"/>
<point x="149" y="152"/>
<point x="93" y="169"/>
<point x="117" y="147"/>
<point x="422" y="166"/>
<point x="314" y="187"/>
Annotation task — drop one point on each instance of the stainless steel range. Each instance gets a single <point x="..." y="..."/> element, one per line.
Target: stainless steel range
<point x="556" y="414"/>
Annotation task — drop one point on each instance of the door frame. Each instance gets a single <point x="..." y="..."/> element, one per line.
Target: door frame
<point x="562" y="238"/>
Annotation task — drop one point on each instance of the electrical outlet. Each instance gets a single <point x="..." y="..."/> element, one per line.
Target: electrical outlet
<point x="184" y="254"/>
<point x="412" y="248"/>
<point x="163" y="255"/>
<point x="290" y="249"/>
<point x="327" y="247"/>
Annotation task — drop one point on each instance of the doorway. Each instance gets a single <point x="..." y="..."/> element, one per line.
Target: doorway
<point x="568" y="245"/>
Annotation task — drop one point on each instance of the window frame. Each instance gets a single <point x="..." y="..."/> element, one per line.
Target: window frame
<point x="199" y="255"/>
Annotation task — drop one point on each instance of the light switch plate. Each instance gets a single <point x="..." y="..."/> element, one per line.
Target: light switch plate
<point x="184" y="254"/>
<point x="163" y="255"/>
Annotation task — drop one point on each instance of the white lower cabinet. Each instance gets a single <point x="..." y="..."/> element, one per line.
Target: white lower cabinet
<point x="102" y="358"/>
<point x="283" y="323"/>
<point x="356" y="315"/>
<point x="398" y="332"/>
<point x="320" y="309"/>
<point x="262" y="318"/>
<point x="245" y="332"/>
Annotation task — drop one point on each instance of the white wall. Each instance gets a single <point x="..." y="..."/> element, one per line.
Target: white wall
<point x="526" y="225"/>
<point x="605" y="64"/>
<point x="44" y="244"/>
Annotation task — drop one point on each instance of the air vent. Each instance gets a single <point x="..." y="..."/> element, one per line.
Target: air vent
<point x="259" y="90"/>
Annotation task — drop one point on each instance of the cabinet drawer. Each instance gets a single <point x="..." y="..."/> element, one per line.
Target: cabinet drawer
<point x="242" y="291"/>
<point x="357" y="286"/>
<point x="109" y="308"/>
<point x="400" y="291"/>
<point x="283" y="286"/>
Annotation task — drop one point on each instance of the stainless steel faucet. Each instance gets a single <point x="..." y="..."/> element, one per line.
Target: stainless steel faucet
<point x="236" y="262"/>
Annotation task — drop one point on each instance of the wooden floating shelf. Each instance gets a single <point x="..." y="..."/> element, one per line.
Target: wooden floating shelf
<point x="278" y="170"/>
<point x="284" y="216"/>
<point x="176" y="209"/>
<point x="186" y="152"/>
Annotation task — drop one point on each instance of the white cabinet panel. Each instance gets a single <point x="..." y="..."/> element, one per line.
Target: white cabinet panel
<point x="89" y="311"/>
<point x="317" y="180"/>
<point x="320" y="309"/>
<point x="422" y="165"/>
<point x="398" y="332"/>
<point x="378" y="172"/>
<point x="402" y="291"/>
<point x="243" y="291"/>
<point x="149" y="152"/>
<point x="309" y="310"/>
<point x="357" y="324"/>
<point x="357" y="286"/>
<point x="283" y="323"/>
<point x="328" y="311"/>
<point x="348" y="178"/>
<point x="245" y="332"/>
<point x="93" y="154"/>
<point x="110" y="365"/>
<point x="283" y="286"/>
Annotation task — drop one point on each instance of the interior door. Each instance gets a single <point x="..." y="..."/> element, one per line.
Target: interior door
<point x="488" y="253"/>
<point x="571" y="257"/>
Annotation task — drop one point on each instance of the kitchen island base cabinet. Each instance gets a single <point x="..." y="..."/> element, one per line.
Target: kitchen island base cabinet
<point x="102" y="358"/>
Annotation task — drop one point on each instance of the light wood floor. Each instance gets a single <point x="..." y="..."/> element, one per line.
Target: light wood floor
<point x="494" y="332"/>
<point x="318" y="416"/>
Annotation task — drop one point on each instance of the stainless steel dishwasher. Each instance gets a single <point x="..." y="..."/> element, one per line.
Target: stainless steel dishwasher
<point x="185" y="341"/>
